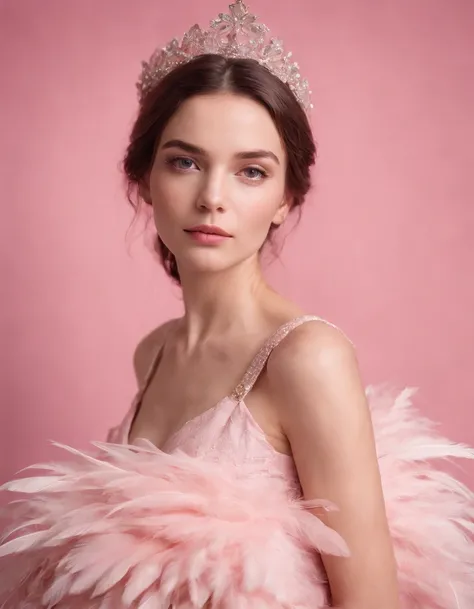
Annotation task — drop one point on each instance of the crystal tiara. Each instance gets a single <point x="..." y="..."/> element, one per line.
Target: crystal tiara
<point x="235" y="35"/>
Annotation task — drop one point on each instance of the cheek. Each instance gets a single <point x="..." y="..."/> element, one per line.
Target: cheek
<point x="173" y="192"/>
<point x="164" y="213"/>
<point x="260" y="207"/>
<point x="256" y="219"/>
<point x="166" y="196"/>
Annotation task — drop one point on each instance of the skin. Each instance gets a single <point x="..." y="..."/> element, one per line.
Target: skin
<point x="310" y="400"/>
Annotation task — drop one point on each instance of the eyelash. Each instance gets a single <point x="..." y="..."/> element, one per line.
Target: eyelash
<point x="175" y="160"/>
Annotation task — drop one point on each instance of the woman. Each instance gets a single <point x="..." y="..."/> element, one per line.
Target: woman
<point x="221" y="150"/>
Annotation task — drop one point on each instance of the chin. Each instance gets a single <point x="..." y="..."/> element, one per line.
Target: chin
<point x="208" y="262"/>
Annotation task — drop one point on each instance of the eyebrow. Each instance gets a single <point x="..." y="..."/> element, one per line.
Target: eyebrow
<point x="248" y="154"/>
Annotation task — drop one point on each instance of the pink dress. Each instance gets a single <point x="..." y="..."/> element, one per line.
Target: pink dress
<point x="216" y="518"/>
<point x="227" y="432"/>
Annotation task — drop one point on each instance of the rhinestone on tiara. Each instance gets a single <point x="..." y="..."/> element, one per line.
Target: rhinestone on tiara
<point x="235" y="35"/>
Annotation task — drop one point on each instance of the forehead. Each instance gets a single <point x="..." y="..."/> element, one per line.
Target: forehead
<point x="224" y="123"/>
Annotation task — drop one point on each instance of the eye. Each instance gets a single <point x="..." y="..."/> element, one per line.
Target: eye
<point x="182" y="163"/>
<point x="255" y="173"/>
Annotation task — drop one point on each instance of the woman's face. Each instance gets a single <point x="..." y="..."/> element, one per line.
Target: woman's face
<point x="219" y="168"/>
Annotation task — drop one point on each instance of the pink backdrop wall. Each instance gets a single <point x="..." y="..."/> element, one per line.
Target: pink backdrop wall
<point x="385" y="248"/>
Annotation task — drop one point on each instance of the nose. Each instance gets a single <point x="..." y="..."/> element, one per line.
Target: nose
<point x="212" y="196"/>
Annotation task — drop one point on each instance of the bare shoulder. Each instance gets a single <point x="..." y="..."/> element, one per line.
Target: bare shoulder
<point x="315" y="346"/>
<point x="315" y="363"/>
<point x="147" y="348"/>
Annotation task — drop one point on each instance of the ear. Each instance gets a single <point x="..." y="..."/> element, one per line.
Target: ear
<point x="144" y="190"/>
<point x="282" y="211"/>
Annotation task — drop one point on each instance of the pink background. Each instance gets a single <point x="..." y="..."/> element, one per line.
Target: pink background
<point x="385" y="248"/>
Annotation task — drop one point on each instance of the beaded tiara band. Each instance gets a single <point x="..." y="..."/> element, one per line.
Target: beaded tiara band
<point x="234" y="35"/>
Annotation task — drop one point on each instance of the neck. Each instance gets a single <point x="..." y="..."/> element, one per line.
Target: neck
<point x="218" y="304"/>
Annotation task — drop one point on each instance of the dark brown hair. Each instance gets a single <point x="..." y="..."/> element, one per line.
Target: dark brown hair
<point x="208" y="74"/>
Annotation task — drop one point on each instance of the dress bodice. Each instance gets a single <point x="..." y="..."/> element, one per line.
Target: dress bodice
<point x="228" y="432"/>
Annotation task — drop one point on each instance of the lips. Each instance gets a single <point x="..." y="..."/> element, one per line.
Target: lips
<point x="208" y="229"/>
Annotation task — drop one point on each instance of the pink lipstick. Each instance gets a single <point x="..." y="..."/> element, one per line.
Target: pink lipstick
<point x="207" y="234"/>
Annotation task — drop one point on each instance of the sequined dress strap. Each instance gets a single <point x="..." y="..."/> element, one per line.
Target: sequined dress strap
<point x="259" y="361"/>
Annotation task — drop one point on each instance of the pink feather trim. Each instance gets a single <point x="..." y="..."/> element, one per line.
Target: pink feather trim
<point x="430" y="513"/>
<point x="135" y="527"/>
<point x="132" y="527"/>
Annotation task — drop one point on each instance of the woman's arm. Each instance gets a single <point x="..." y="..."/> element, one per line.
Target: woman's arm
<point x="314" y="380"/>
